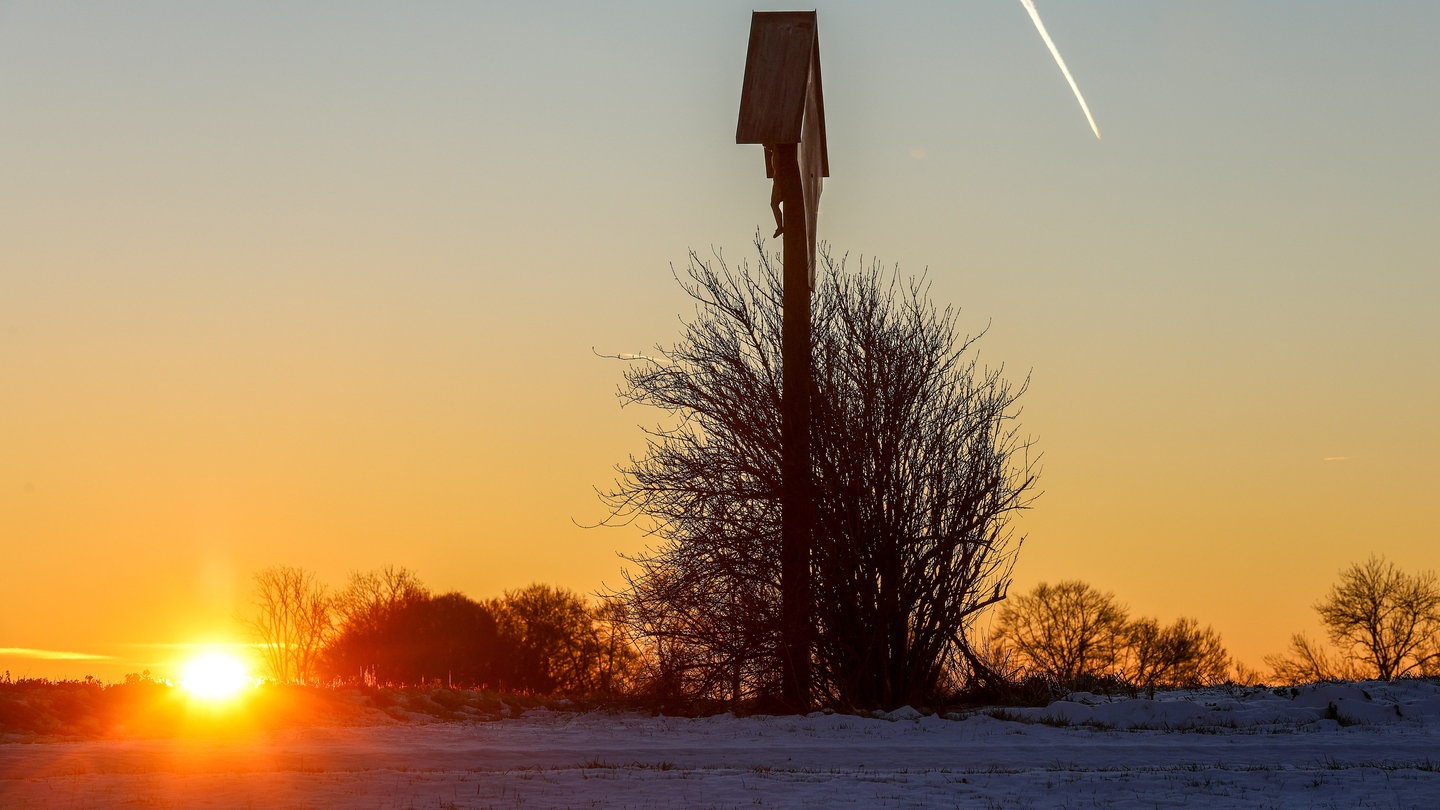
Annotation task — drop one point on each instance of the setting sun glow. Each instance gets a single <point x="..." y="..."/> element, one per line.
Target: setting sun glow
<point x="215" y="676"/>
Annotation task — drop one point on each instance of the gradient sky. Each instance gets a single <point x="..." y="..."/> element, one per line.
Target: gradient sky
<point x="317" y="284"/>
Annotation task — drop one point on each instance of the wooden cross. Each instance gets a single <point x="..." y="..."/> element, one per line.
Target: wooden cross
<point x="782" y="108"/>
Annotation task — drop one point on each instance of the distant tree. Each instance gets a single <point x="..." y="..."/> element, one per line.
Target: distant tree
<point x="1070" y="632"/>
<point x="450" y="638"/>
<point x="550" y="640"/>
<point x="1181" y="655"/>
<point x="1064" y="631"/>
<point x="1384" y="617"/>
<point x="368" y="595"/>
<point x="366" y="644"/>
<point x="293" y="622"/>
<point x="393" y="630"/>
<point x="918" y="469"/>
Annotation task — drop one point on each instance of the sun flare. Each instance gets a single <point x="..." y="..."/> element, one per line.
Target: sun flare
<point x="215" y="676"/>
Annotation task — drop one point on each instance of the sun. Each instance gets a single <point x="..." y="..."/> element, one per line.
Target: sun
<point x="215" y="676"/>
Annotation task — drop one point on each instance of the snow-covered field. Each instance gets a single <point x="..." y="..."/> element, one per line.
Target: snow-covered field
<point x="1329" y="746"/>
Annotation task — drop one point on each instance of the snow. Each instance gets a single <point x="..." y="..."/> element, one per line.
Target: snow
<point x="1325" y="746"/>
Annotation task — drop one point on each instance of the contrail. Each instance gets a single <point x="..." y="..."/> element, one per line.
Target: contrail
<point x="52" y="655"/>
<point x="1045" y="35"/>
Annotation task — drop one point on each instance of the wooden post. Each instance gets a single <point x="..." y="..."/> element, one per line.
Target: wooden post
<point x="782" y="107"/>
<point x="797" y="508"/>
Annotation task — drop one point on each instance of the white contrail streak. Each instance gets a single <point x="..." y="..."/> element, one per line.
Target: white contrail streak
<point x="1045" y="35"/>
<point x="52" y="655"/>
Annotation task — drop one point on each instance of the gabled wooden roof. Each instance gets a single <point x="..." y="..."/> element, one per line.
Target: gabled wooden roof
<point x="782" y="69"/>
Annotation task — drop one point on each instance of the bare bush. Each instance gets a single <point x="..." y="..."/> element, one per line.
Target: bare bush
<point x="1183" y="654"/>
<point x="1308" y="662"/>
<point x="293" y="622"/>
<point x="917" y="468"/>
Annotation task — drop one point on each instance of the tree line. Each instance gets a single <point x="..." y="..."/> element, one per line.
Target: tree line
<point x="386" y="627"/>
<point x="1383" y="624"/>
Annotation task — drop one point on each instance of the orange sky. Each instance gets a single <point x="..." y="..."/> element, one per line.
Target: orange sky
<point x="320" y="287"/>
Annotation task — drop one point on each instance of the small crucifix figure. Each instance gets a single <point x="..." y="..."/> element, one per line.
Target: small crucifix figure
<point x="775" y="196"/>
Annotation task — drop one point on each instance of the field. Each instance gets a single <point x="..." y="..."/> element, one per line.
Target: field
<point x="1326" y="746"/>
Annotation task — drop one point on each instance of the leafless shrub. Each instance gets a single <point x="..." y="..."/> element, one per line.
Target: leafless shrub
<point x="918" y="467"/>
<point x="293" y="622"/>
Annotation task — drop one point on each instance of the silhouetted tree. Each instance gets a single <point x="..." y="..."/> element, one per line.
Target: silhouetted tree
<point x="550" y="641"/>
<point x="368" y="595"/>
<point x="1063" y="631"/>
<point x="1384" y="617"/>
<point x="917" y="470"/>
<point x="392" y="630"/>
<point x="293" y="622"/>
<point x="1181" y="655"/>
<point x="366" y="643"/>
<point x="450" y="638"/>
<point x="1071" y="632"/>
